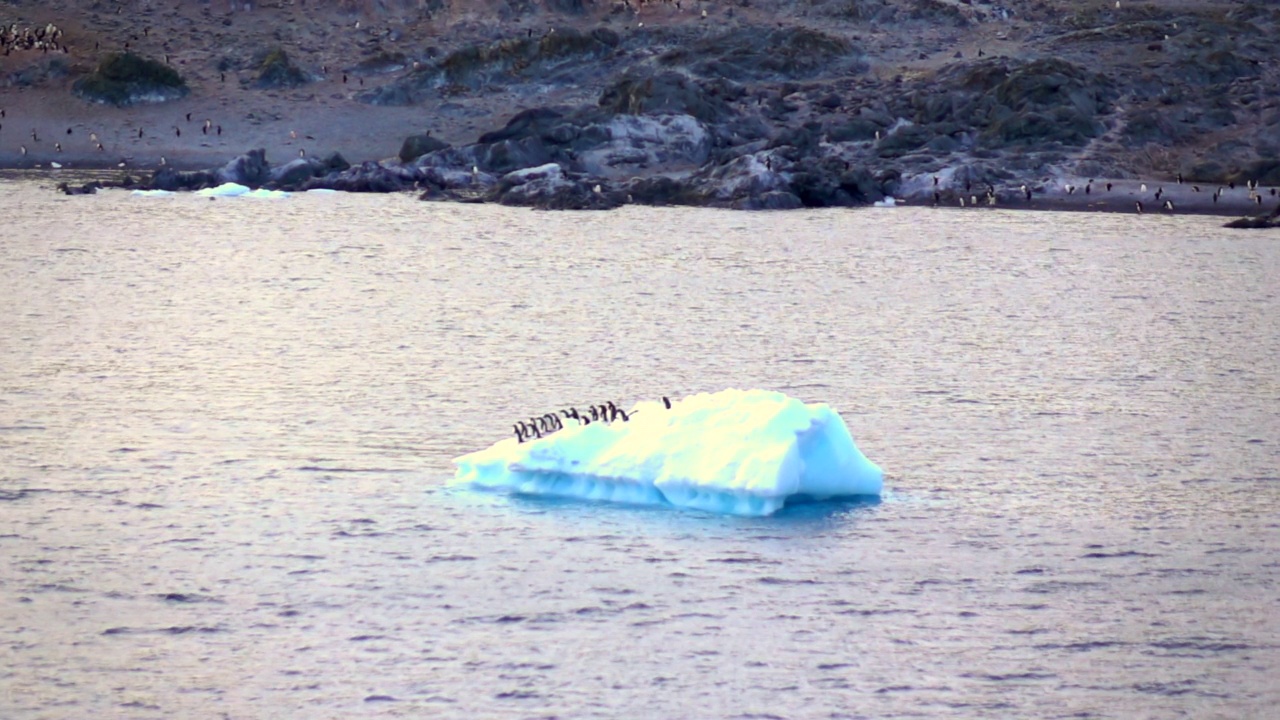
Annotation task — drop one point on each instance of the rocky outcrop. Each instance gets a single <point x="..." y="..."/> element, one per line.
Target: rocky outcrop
<point x="549" y="187"/>
<point x="756" y="53"/>
<point x="415" y="146"/>
<point x="277" y="71"/>
<point x="124" y="79"/>
<point x="1257" y="222"/>
<point x="558" y="51"/>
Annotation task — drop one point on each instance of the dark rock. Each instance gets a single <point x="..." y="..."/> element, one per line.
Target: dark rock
<point x="1257" y="222"/>
<point x="508" y="155"/>
<point x="510" y="60"/>
<point x="89" y="188"/>
<point x="549" y="188"/>
<point x="669" y="92"/>
<point x="755" y="53"/>
<point x="904" y="140"/>
<point x="298" y="171"/>
<point x="250" y="169"/>
<point x="415" y="146"/>
<point x="534" y="122"/>
<point x="277" y="71"/>
<point x="660" y="190"/>
<point x="1264" y="172"/>
<point x="166" y="178"/>
<point x="124" y="79"/>
<point x="855" y="130"/>
<point x="772" y="200"/>
<point x="381" y="63"/>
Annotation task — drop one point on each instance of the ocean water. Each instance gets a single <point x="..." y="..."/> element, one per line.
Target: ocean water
<point x="226" y="430"/>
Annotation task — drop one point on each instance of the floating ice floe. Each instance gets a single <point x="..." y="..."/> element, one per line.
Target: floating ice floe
<point x="224" y="190"/>
<point x="743" y="452"/>
<point x="152" y="193"/>
<point x="238" y="190"/>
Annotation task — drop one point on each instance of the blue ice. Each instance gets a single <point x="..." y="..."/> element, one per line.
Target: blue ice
<point x="741" y="452"/>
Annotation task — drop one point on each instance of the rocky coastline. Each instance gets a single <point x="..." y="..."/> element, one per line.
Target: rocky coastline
<point x="1150" y="108"/>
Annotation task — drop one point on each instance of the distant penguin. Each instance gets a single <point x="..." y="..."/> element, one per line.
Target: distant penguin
<point x="1138" y="205"/>
<point x="519" y="432"/>
<point x="1179" y="178"/>
<point x="666" y="401"/>
<point x="1027" y="192"/>
<point x="1168" y="205"/>
<point x="188" y="117"/>
<point x="1108" y="187"/>
<point x="139" y="132"/>
<point x="1142" y="187"/>
<point x="1159" y="192"/>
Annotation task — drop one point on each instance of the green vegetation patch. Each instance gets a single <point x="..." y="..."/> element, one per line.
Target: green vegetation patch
<point x="123" y="79"/>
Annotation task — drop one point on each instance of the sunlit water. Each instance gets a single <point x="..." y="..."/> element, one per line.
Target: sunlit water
<point x="226" y="430"/>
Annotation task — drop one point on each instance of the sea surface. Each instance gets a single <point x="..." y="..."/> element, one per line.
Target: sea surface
<point x="226" y="432"/>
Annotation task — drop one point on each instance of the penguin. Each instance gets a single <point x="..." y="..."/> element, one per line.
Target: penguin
<point x="1071" y="189"/>
<point x="57" y="147"/>
<point x="1195" y="188"/>
<point x="1179" y="178"/>
<point x="1108" y="187"/>
<point x="1168" y="205"/>
<point x="139" y="133"/>
<point x="1142" y="187"/>
<point x="1159" y="192"/>
<point x="1139" y="207"/>
<point x="188" y="117"/>
<point x="519" y="432"/>
<point x="1088" y="189"/>
<point x="1027" y="192"/>
<point x="666" y="401"/>
<point x="595" y="413"/>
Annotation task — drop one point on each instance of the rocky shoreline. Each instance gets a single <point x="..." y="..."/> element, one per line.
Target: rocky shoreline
<point x="807" y="112"/>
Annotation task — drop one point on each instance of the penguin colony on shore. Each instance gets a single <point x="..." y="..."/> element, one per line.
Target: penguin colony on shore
<point x="46" y="38"/>
<point x="544" y="425"/>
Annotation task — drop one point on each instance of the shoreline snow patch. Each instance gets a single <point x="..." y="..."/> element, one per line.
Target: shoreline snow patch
<point x="741" y="452"/>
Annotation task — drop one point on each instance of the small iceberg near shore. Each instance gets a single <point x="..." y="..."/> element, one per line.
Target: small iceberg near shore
<point x="237" y="190"/>
<point x="740" y="452"/>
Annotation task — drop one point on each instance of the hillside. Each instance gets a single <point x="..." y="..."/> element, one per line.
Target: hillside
<point x="893" y="91"/>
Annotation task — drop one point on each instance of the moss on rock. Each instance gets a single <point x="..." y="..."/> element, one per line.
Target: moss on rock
<point x="124" y="79"/>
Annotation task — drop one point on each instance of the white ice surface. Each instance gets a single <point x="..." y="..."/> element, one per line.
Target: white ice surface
<point x="735" y="451"/>
<point x="152" y="193"/>
<point x="224" y="190"/>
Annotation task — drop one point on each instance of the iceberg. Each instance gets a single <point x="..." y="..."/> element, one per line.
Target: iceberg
<point x="741" y="452"/>
<point x="224" y="190"/>
<point x="237" y="190"/>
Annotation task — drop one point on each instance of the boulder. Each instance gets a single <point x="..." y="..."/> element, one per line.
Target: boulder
<point x="755" y="53"/>
<point x="277" y="71"/>
<point x="415" y="146"/>
<point x="124" y="79"/>
<point x="548" y="187"/>
<point x="298" y="171"/>
<point x="250" y="169"/>
<point x="665" y="92"/>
